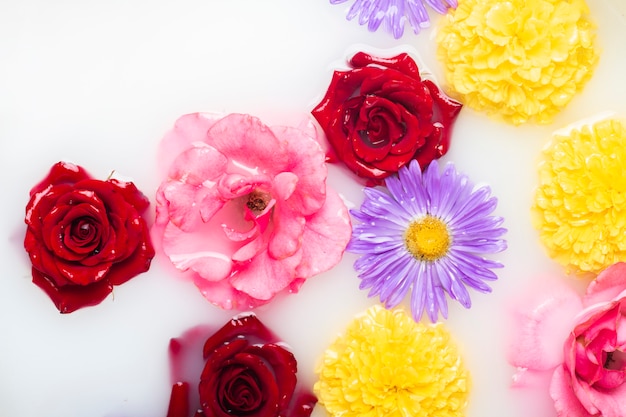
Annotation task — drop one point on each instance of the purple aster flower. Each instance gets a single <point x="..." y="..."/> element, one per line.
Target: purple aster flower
<point x="428" y="234"/>
<point x="395" y="12"/>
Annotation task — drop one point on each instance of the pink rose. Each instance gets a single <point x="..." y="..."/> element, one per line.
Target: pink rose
<point x="244" y="209"/>
<point x="580" y="344"/>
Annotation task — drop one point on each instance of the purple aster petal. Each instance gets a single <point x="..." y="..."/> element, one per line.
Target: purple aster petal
<point x="395" y="12"/>
<point x="395" y="288"/>
<point x="419" y="292"/>
<point x="378" y="266"/>
<point x="395" y="17"/>
<point x="478" y="205"/>
<point x="444" y="196"/>
<point x="412" y="193"/>
<point x="408" y="193"/>
<point x="380" y="204"/>
<point x="449" y="279"/>
<point x="485" y="245"/>
<point x="432" y="306"/>
<point x="377" y="16"/>
<point x="442" y="303"/>
<point x="399" y="292"/>
<point x="365" y="247"/>
<point x="474" y="266"/>
<point x="394" y="282"/>
<point x="367" y="10"/>
<point x="440" y="6"/>
<point x="417" y="15"/>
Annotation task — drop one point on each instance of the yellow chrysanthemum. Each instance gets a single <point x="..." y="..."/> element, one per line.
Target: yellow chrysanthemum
<point x="580" y="204"/>
<point x="522" y="59"/>
<point x="387" y="365"/>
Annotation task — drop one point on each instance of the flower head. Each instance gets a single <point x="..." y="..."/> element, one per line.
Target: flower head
<point x="395" y="12"/>
<point x="85" y="236"/>
<point x="386" y="365"/>
<point x="428" y="234"/>
<point x="244" y="210"/>
<point x="380" y="114"/>
<point x="521" y="59"/>
<point x="574" y="345"/>
<point x="247" y="371"/>
<point x="581" y="197"/>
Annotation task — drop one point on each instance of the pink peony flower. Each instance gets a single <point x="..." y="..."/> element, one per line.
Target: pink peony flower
<point x="580" y="344"/>
<point x="244" y="209"/>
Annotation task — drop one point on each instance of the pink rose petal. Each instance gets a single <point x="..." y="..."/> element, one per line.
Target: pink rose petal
<point x="306" y="162"/>
<point x="325" y="233"/>
<point x="607" y="286"/>
<point x="222" y="294"/>
<point x="542" y="321"/>
<point x="610" y="403"/>
<point x="243" y="138"/>
<point x="189" y="205"/>
<point x="565" y="401"/>
<point x="262" y="278"/>
<point x="198" y="164"/>
<point x="188" y="129"/>
<point x="188" y="251"/>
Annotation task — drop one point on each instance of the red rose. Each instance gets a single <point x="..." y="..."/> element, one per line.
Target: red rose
<point x="247" y="373"/>
<point x="380" y="115"/>
<point x="84" y="236"/>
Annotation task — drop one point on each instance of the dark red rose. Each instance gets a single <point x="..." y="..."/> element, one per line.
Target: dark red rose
<point x="380" y="115"/>
<point x="247" y="372"/>
<point x="84" y="236"/>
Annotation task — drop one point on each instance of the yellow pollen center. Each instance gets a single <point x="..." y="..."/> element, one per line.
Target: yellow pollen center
<point x="427" y="238"/>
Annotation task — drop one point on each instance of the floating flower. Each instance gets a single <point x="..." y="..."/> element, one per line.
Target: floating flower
<point x="521" y="59"/>
<point x="244" y="210"/>
<point x="578" y="345"/>
<point x="386" y="365"/>
<point x="85" y="236"/>
<point x="581" y="198"/>
<point x="380" y="115"/>
<point x="247" y="372"/>
<point x="395" y="13"/>
<point x="428" y="234"/>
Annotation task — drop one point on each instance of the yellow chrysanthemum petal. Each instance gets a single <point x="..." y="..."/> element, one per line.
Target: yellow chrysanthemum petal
<point x="580" y="204"/>
<point x="521" y="59"/>
<point x="387" y="365"/>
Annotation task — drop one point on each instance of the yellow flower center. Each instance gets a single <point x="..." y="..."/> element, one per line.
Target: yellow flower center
<point x="427" y="238"/>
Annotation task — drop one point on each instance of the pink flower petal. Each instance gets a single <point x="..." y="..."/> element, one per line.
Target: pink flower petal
<point x="245" y="139"/>
<point x="565" y="401"/>
<point x="607" y="286"/>
<point x="188" y="129"/>
<point x="325" y="235"/>
<point x="187" y="205"/>
<point x="542" y="322"/>
<point x="198" y="164"/>
<point x="190" y="251"/>
<point x="263" y="277"/>
<point x="609" y="403"/>
<point x="306" y="162"/>
<point x="284" y="185"/>
<point x="249" y="250"/>
<point x="287" y="236"/>
<point x="237" y="185"/>
<point x="222" y="294"/>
